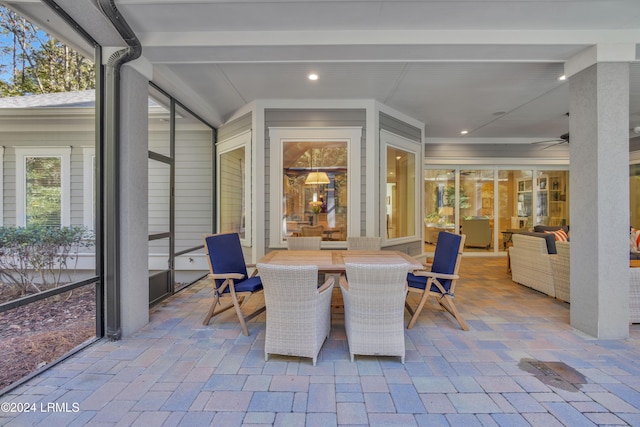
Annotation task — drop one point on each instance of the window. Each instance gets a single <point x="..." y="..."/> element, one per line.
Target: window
<point x="401" y="192"/>
<point x="311" y="183"/>
<point x="233" y="175"/>
<point x="42" y="186"/>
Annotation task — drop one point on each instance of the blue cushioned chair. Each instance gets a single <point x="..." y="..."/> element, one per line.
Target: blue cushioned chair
<point x="229" y="276"/>
<point x="440" y="282"/>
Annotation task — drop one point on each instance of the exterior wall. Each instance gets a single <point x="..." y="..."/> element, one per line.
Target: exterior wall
<point x="30" y="138"/>
<point x="314" y="118"/>
<point x="495" y="151"/>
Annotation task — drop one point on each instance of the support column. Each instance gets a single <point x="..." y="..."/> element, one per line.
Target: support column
<point x="599" y="182"/>
<point x="133" y="192"/>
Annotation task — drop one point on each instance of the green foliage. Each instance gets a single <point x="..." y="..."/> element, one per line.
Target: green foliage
<point x="36" y="256"/>
<point x="38" y="62"/>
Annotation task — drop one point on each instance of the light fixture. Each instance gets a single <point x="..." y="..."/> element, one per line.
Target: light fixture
<point x="464" y="132"/>
<point x="317" y="178"/>
<point x="562" y="78"/>
<point x="312" y="76"/>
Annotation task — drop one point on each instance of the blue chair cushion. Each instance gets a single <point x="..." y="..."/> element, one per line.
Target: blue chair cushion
<point x="252" y="284"/>
<point x="225" y="254"/>
<point x="420" y="282"/>
<point x="444" y="261"/>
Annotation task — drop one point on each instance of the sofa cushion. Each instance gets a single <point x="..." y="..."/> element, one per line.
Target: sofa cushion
<point x="549" y="238"/>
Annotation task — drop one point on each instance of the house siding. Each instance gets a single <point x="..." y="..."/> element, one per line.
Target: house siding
<point x="77" y="141"/>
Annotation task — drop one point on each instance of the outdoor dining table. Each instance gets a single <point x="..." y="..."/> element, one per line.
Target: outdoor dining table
<point x="333" y="261"/>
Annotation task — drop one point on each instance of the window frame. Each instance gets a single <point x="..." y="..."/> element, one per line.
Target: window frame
<point x="88" y="191"/>
<point x="388" y="139"/>
<point x="64" y="153"/>
<point x="242" y="140"/>
<point x="352" y="136"/>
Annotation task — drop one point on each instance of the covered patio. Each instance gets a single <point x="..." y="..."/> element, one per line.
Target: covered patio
<point x="521" y="363"/>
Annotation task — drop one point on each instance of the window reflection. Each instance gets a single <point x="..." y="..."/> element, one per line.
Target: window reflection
<point x="315" y="189"/>
<point x="400" y="193"/>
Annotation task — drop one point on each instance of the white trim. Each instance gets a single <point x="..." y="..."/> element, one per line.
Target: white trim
<point x="238" y="141"/>
<point x="352" y="135"/>
<point x="390" y="139"/>
<point x="502" y="162"/>
<point x="88" y="184"/>
<point x="64" y="153"/>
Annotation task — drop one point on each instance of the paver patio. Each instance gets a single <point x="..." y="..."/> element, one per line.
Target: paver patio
<point x="519" y="364"/>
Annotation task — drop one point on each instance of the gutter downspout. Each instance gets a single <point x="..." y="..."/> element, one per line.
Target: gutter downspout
<point x="111" y="165"/>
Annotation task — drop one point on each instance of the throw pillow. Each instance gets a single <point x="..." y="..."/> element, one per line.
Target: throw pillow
<point x="634" y="240"/>
<point x="561" y="235"/>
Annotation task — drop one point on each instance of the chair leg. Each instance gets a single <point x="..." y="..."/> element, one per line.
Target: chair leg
<point x="212" y="310"/>
<point x="451" y="308"/>
<point x="236" y="304"/>
<point x="417" y="311"/>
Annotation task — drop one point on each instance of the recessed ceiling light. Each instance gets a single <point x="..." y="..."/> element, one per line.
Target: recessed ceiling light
<point x="464" y="132"/>
<point x="562" y="78"/>
<point x="312" y="76"/>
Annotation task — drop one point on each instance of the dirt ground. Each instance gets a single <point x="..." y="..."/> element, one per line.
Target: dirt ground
<point x="37" y="334"/>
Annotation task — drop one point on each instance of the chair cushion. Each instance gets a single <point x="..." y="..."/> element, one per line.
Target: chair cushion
<point x="420" y="282"/>
<point x="225" y="254"/>
<point x="444" y="261"/>
<point x="252" y="284"/>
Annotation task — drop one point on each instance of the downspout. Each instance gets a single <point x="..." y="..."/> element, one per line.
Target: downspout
<point x="111" y="166"/>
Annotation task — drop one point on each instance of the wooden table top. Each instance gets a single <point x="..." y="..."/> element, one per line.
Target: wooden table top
<point x="634" y="263"/>
<point x="336" y="260"/>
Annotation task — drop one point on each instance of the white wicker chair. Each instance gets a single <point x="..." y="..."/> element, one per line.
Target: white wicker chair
<point x="304" y="243"/>
<point x="374" y="298"/>
<point x="364" y="243"/>
<point x="560" y="265"/>
<point x="298" y="312"/>
<point x="530" y="263"/>
<point x="634" y="295"/>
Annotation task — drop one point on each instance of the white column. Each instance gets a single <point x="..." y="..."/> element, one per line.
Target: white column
<point x="599" y="182"/>
<point x="134" y="228"/>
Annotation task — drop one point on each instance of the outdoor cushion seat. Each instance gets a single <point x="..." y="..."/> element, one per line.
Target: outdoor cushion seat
<point x="441" y="279"/>
<point x="229" y="276"/>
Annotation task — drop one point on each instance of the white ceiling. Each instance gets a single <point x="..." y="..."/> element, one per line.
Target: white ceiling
<point x="490" y="67"/>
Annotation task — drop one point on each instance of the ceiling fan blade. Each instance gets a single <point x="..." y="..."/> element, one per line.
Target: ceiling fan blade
<point x="548" y="140"/>
<point x="558" y="142"/>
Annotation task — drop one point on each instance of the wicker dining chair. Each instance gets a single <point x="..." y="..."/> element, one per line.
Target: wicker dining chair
<point x="298" y="312"/>
<point x="312" y="230"/>
<point x="364" y="243"/>
<point x="374" y="296"/>
<point x="304" y="243"/>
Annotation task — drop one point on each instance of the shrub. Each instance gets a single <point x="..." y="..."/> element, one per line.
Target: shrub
<point x="37" y="256"/>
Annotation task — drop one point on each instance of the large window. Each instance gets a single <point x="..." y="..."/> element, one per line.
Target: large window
<point x="313" y="187"/>
<point x="489" y="204"/>
<point x="42" y="186"/>
<point x="401" y="192"/>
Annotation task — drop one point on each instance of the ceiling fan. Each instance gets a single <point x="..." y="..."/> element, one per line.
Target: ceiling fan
<point x="562" y="139"/>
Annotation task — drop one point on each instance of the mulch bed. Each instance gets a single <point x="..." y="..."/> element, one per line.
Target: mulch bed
<point x="37" y="334"/>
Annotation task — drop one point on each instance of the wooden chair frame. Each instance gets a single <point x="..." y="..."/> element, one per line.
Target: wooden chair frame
<point x="444" y="298"/>
<point x="238" y="299"/>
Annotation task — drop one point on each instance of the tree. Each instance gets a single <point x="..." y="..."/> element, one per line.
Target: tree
<point x="33" y="62"/>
